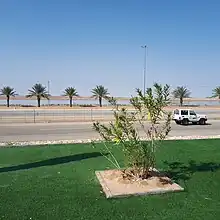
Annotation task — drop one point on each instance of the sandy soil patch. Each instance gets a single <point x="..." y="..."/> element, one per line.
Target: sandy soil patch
<point x="115" y="186"/>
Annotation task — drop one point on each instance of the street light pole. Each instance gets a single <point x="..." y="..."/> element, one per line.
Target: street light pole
<point x="145" y="64"/>
<point x="48" y="90"/>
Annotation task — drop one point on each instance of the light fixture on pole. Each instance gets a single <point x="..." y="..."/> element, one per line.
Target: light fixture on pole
<point x="145" y="64"/>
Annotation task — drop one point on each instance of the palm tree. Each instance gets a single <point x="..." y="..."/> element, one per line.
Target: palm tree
<point x="99" y="92"/>
<point x="39" y="91"/>
<point x="70" y="92"/>
<point x="181" y="92"/>
<point x="8" y="92"/>
<point x="216" y="92"/>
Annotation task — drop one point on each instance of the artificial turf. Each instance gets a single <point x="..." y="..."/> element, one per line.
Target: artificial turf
<point x="58" y="182"/>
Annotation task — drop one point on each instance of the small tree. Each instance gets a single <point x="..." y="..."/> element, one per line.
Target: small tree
<point x="39" y="91"/>
<point x="181" y="93"/>
<point x="139" y="155"/>
<point x="70" y="92"/>
<point x="100" y="92"/>
<point x="8" y="92"/>
<point x="216" y="92"/>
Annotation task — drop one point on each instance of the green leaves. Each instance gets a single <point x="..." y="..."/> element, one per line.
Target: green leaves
<point x="139" y="155"/>
<point x="216" y="92"/>
<point x="152" y="102"/>
<point x="70" y="92"/>
<point x="181" y="93"/>
<point x="39" y="91"/>
<point x="8" y="91"/>
<point x="100" y="92"/>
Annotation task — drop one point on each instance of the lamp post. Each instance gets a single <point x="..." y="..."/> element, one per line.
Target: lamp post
<point x="48" y="90"/>
<point x="145" y="67"/>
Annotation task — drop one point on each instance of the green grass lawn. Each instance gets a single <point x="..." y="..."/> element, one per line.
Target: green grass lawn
<point x="59" y="183"/>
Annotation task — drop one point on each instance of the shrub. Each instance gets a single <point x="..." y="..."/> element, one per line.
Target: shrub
<point x="139" y="154"/>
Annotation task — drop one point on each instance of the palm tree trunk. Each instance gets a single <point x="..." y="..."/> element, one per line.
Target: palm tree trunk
<point x="71" y="102"/>
<point x="100" y="101"/>
<point x="181" y="101"/>
<point x="7" y="101"/>
<point x="38" y="102"/>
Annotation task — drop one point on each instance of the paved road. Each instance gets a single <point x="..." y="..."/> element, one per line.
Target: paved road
<point x="70" y="112"/>
<point x="70" y="115"/>
<point x="71" y="131"/>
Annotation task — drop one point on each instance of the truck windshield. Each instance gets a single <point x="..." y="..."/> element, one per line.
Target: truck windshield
<point x="176" y="112"/>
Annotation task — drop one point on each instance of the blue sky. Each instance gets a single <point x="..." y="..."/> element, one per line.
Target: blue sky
<point x="84" y="43"/>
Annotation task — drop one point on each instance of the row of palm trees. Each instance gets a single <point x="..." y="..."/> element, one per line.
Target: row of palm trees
<point x="182" y="92"/>
<point x="99" y="92"/>
<point x="40" y="92"/>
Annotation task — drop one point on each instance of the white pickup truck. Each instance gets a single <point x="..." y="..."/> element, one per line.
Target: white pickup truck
<point x="186" y="116"/>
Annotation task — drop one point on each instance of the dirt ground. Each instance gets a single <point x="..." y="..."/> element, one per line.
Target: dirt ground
<point x="114" y="186"/>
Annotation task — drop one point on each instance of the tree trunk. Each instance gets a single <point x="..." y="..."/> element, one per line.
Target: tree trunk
<point x="71" y="102"/>
<point x="181" y="101"/>
<point x="8" y="101"/>
<point x="100" y="101"/>
<point x="38" y="102"/>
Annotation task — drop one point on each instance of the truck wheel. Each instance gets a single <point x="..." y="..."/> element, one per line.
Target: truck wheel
<point x="202" y="121"/>
<point x="185" y="121"/>
<point x="177" y="122"/>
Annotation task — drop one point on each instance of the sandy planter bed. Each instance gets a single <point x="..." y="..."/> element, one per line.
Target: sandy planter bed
<point x="115" y="186"/>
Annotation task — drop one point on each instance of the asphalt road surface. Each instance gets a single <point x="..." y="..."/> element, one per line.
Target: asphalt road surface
<point x="70" y="115"/>
<point x="83" y="131"/>
<point x="76" y="112"/>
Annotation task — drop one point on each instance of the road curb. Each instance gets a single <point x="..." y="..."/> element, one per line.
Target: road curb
<point x="44" y="143"/>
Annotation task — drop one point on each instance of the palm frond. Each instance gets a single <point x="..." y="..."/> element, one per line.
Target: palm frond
<point x="181" y="92"/>
<point x="70" y="92"/>
<point x="8" y="91"/>
<point x="100" y="91"/>
<point x="38" y="90"/>
<point x="216" y="92"/>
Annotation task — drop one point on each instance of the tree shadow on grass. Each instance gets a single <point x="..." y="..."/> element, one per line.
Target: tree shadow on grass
<point x="179" y="171"/>
<point x="52" y="161"/>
